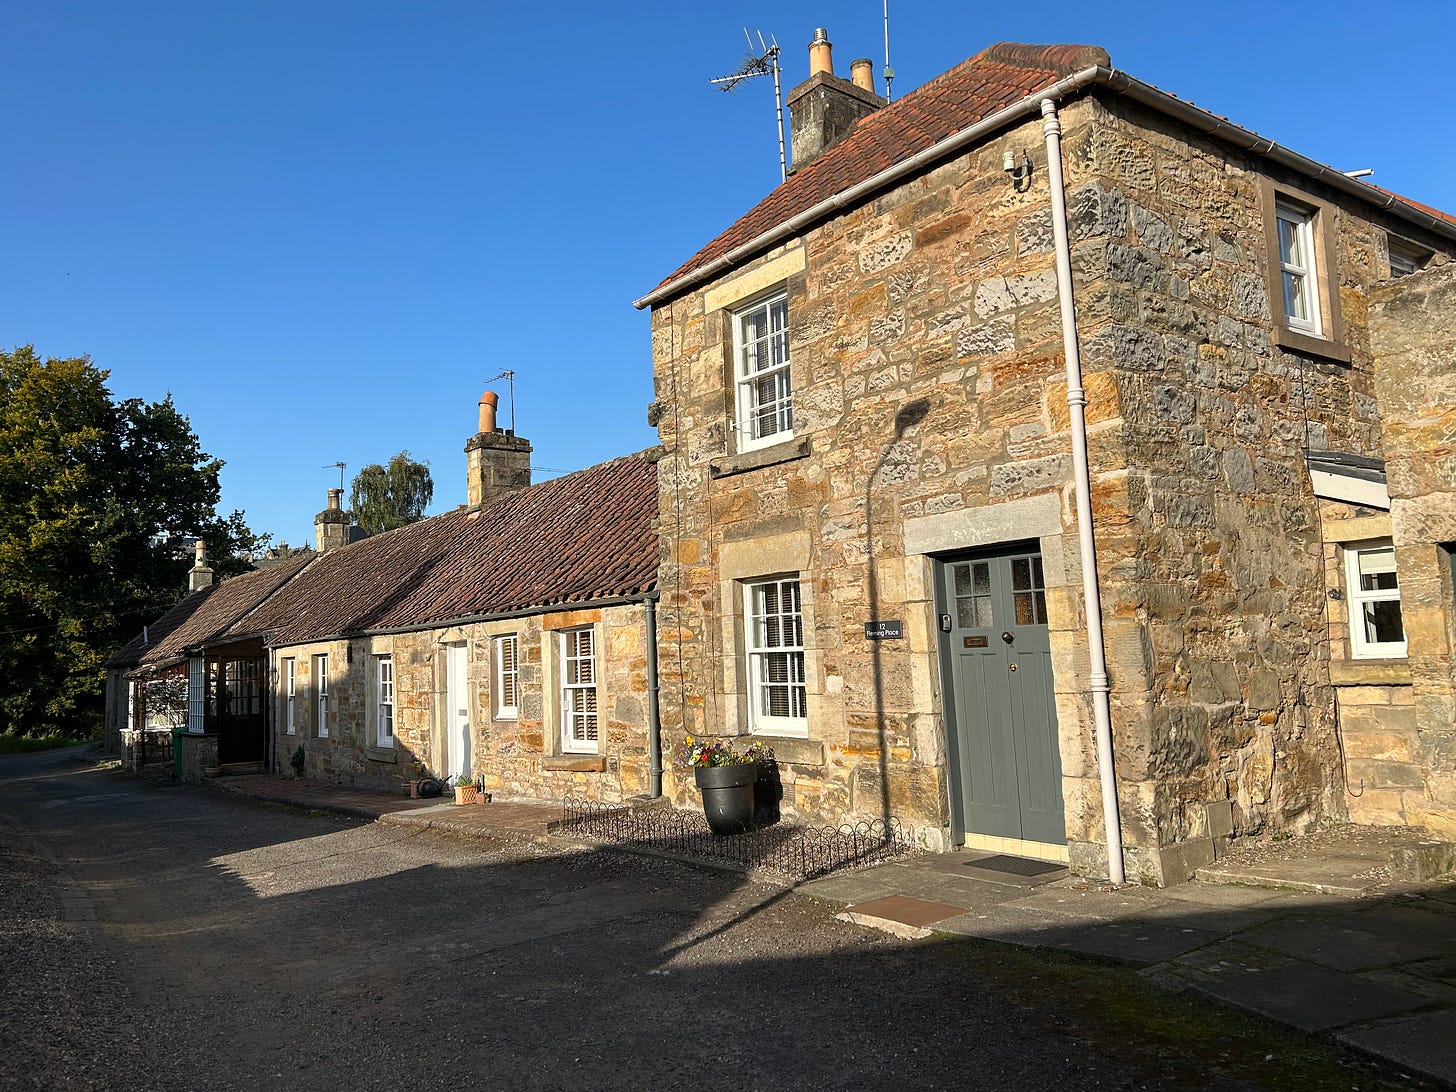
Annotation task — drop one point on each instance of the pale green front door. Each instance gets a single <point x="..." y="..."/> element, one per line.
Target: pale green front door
<point x="1001" y="720"/>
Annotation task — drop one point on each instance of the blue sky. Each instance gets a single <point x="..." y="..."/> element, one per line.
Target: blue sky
<point x="323" y="226"/>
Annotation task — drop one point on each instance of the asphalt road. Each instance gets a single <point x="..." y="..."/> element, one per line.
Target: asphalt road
<point x="162" y="936"/>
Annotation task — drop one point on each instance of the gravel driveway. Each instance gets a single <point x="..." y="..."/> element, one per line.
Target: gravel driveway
<point x="162" y="936"/>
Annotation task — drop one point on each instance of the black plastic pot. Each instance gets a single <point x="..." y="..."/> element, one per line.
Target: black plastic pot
<point x="727" y="796"/>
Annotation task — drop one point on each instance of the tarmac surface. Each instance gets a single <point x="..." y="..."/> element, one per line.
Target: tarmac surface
<point x="1313" y="933"/>
<point x="155" y="935"/>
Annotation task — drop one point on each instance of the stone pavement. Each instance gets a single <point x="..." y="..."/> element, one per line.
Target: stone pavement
<point x="1376" y="972"/>
<point x="512" y="821"/>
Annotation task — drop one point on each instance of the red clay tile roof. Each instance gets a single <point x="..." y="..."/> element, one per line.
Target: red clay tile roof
<point x="994" y="78"/>
<point x="583" y="537"/>
<point x="997" y="77"/>
<point x="202" y="615"/>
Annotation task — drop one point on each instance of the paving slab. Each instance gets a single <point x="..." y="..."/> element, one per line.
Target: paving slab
<point x="1219" y="894"/>
<point x="1359" y="941"/>
<point x="1137" y="942"/>
<point x="901" y="915"/>
<point x="1008" y="924"/>
<point x="1425" y="1042"/>
<point x="1312" y="998"/>
<point x="1092" y="904"/>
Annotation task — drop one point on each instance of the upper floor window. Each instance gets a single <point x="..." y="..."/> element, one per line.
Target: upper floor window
<point x="761" y="355"/>
<point x="579" y="691"/>
<point x="774" y="636"/>
<point x="1373" y="591"/>
<point x="1298" y="275"/>
<point x="1406" y="258"/>
<point x="507" y="677"/>
<point x="384" y="701"/>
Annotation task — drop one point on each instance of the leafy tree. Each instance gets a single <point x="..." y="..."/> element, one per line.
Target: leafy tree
<point x="386" y="497"/>
<point x="96" y="497"/>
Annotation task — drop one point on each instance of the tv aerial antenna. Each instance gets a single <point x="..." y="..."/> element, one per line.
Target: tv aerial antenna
<point x="340" y="468"/>
<point x="889" y="72"/>
<point x="510" y="377"/>
<point x="763" y="62"/>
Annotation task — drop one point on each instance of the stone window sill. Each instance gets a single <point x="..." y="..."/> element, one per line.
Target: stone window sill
<point x="1370" y="673"/>
<point x="574" y="764"/>
<point x="728" y="465"/>
<point x="1308" y="345"/>
<point x="381" y="754"/>
<point x="793" y="750"/>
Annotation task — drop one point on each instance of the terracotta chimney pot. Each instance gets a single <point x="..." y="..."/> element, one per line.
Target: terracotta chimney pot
<point x="862" y="72"/>
<point x="488" y="402"/>
<point x="820" y="53"/>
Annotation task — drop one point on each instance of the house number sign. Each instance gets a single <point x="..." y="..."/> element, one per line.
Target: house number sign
<point x="883" y="631"/>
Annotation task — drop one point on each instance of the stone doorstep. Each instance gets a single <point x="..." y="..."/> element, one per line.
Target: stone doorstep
<point x="1427" y="860"/>
<point x="901" y="915"/>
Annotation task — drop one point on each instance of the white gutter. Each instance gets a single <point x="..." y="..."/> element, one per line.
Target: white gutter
<point x="1077" y="413"/>
<point x="1114" y="80"/>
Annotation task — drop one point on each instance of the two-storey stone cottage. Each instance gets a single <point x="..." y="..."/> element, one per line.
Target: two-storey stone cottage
<point x="1001" y="444"/>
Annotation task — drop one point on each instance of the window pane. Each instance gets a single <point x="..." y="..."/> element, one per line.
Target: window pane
<point x="981" y="575"/>
<point x="962" y="579"/>
<point x="1020" y="573"/>
<point x="1377" y="568"/>
<point x="1382" y="622"/>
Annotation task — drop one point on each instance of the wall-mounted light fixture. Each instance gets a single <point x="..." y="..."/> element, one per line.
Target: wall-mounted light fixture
<point x="1020" y="173"/>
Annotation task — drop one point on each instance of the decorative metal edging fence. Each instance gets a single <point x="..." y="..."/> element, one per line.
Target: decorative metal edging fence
<point x="797" y="853"/>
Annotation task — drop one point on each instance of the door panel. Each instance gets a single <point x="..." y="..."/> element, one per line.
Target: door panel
<point x="1000" y="710"/>
<point x="457" y="713"/>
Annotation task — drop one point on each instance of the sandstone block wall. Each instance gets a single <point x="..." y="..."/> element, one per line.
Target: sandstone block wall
<point x="520" y="757"/>
<point x="940" y="297"/>
<point x="1413" y="328"/>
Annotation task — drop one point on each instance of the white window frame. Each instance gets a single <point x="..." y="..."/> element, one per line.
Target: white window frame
<point x="196" y="695"/>
<point x="1298" y="263"/>
<point x="580" y="709"/>
<point x="321" y="695"/>
<point x="507" y="680"/>
<point x="1405" y="258"/>
<point x="384" y="701"/>
<point x="290" y="691"/>
<point x="750" y="370"/>
<point x="762" y="644"/>
<point x="1356" y="598"/>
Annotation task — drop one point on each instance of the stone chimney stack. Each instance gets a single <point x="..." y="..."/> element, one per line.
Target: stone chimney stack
<point x="825" y="108"/>
<point x="497" y="463"/>
<point x="200" y="575"/>
<point x="331" y="526"/>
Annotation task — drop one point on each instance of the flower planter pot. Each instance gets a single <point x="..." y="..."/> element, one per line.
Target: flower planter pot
<point x="727" y="796"/>
<point x="465" y="794"/>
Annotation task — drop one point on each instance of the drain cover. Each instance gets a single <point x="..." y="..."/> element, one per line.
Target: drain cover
<point x="1015" y="866"/>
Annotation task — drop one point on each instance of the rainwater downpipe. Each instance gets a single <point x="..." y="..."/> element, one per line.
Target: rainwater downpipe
<point x="654" y="720"/>
<point x="1076" y="407"/>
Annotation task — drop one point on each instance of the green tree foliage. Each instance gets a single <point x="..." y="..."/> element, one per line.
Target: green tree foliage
<point x="386" y="497"/>
<point x="100" y="502"/>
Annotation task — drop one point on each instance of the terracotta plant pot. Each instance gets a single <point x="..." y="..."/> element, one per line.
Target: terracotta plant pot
<point x="465" y="794"/>
<point x="727" y="796"/>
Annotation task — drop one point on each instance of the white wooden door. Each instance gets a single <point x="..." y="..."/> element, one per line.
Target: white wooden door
<point x="457" y="713"/>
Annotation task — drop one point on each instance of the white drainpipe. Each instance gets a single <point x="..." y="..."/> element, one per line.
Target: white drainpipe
<point x="1076" y="406"/>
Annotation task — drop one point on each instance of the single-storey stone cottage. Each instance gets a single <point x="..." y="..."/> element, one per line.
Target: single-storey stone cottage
<point x="509" y="639"/>
<point x="1006" y="448"/>
<point x="186" y="670"/>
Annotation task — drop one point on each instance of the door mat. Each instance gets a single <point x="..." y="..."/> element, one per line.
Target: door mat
<point x="1016" y="866"/>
